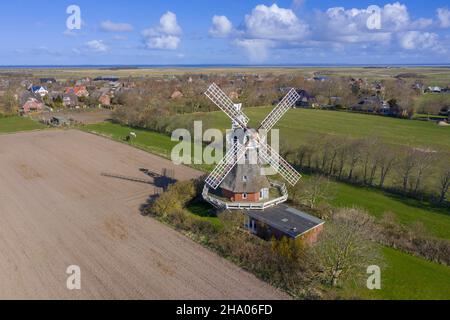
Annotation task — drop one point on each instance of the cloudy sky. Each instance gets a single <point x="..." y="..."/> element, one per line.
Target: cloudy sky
<point x="225" y="32"/>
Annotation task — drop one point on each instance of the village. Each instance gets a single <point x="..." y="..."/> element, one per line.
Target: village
<point x="387" y="97"/>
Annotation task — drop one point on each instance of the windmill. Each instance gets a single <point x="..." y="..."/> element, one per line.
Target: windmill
<point x="238" y="174"/>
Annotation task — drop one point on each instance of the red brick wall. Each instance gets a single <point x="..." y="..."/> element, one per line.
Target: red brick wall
<point x="312" y="236"/>
<point x="238" y="197"/>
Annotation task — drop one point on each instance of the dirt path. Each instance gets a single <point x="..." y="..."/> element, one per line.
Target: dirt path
<point x="57" y="210"/>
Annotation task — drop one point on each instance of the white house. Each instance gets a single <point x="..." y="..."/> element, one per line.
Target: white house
<point x="40" y="90"/>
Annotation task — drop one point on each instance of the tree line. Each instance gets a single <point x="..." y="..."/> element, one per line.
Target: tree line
<point x="422" y="173"/>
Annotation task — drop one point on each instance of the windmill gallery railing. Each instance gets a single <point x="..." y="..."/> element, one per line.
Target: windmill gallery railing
<point x="220" y="204"/>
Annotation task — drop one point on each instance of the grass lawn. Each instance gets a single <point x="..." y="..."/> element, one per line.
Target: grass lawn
<point x="406" y="276"/>
<point x="203" y="211"/>
<point x="16" y="124"/>
<point x="407" y="211"/>
<point x="300" y="124"/>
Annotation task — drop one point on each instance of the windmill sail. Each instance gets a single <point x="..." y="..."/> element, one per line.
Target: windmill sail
<point x="270" y="156"/>
<point x="288" y="101"/>
<point x="220" y="99"/>
<point x="226" y="165"/>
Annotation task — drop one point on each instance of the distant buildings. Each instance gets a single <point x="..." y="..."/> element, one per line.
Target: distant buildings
<point x="40" y="90"/>
<point x="32" y="105"/>
<point x="79" y="91"/>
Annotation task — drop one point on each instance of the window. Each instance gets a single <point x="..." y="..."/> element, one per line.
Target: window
<point x="244" y="178"/>
<point x="244" y="196"/>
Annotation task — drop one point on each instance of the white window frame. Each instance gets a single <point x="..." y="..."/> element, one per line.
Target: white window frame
<point x="245" y="196"/>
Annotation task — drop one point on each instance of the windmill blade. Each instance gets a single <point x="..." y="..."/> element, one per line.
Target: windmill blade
<point x="225" y="165"/>
<point x="279" y="164"/>
<point x="220" y="99"/>
<point x="278" y="112"/>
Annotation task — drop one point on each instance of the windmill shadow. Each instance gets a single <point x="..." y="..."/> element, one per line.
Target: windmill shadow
<point x="161" y="182"/>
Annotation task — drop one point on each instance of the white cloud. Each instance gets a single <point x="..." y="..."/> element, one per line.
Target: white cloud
<point x="165" y="35"/>
<point x="256" y="49"/>
<point x="345" y="30"/>
<point x="110" y="26"/>
<point x="444" y="17"/>
<point x="274" y="23"/>
<point x="415" y="40"/>
<point x="96" y="46"/>
<point x="221" y="27"/>
<point x="163" y="42"/>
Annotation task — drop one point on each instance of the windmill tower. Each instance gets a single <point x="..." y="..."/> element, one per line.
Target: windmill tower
<point x="239" y="176"/>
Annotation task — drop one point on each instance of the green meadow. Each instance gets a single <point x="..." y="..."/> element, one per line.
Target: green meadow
<point x="301" y="124"/>
<point x="16" y="124"/>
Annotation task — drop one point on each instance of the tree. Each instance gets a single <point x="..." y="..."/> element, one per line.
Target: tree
<point x="424" y="159"/>
<point x="387" y="160"/>
<point x="8" y="103"/>
<point x="311" y="192"/>
<point x="444" y="182"/>
<point x="355" y="157"/>
<point x="406" y="166"/>
<point x="345" y="248"/>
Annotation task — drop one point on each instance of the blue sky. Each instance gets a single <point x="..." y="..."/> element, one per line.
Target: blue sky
<point x="225" y="32"/>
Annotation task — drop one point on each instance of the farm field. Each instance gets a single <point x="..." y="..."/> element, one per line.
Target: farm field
<point x="301" y="124"/>
<point x="376" y="203"/>
<point x="14" y="124"/>
<point x="57" y="210"/>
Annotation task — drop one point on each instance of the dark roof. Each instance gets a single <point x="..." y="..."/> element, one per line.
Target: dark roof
<point x="288" y="220"/>
<point x="234" y="181"/>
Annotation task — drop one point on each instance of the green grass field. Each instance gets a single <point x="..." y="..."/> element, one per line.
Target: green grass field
<point x="407" y="211"/>
<point x="406" y="277"/>
<point x="404" y="274"/>
<point x="15" y="124"/>
<point x="301" y="124"/>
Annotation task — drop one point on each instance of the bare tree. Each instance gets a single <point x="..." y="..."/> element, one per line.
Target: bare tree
<point x="355" y="157"/>
<point x="345" y="248"/>
<point x="424" y="159"/>
<point x="406" y="167"/>
<point x="387" y="158"/>
<point x="312" y="192"/>
<point x="444" y="182"/>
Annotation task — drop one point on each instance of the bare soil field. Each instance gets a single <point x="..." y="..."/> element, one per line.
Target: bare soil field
<point x="57" y="210"/>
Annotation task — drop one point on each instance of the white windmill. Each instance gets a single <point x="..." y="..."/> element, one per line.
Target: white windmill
<point x="239" y="178"/>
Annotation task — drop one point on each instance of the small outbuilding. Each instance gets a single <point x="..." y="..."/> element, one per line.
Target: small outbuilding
<point x="284" y="221"/>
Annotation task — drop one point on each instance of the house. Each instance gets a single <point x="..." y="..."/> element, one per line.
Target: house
<point x="306" y="100"/>
<point x="284" y="221"/>
<point x="105" y="100"/>
<point x="320" y="78"/>
<point x="176" y="95"/>
<point x="40" y="90"/>
<point x="70" y="100"/>
<point x="370" y="104"/>
<point x="79" y="91"/>
<point x="107" y="78"/>
<point x="434" y="89"/>
<point x="32" y="105"/>
<point x="83" y="81"/>
<point x="47" y="80"/>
